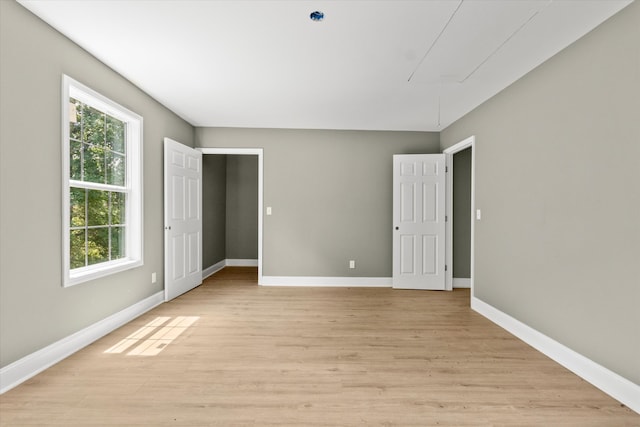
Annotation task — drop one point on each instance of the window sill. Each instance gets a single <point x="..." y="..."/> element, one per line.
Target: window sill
<point x="86" y="274"/>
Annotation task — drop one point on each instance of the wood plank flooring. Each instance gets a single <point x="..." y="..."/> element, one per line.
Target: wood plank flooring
<point x="282" y="356"/>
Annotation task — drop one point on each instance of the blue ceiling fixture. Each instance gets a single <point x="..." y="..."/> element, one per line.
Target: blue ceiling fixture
<point x="316" y="16"/>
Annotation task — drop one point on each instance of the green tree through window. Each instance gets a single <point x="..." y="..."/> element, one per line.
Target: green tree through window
<point x="97" y="148"/>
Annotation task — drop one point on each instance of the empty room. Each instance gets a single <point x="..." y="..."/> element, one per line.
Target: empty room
<point x="331" y="213"/>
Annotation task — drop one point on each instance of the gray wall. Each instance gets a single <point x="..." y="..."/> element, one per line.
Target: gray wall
<point x="331" y="196"/>
<point x="35" y="310"/>
<point x="242" y="207"/>
<point x="462" y="214"/>
<point x="214" y="209"/>
<point x="558" y="173"/>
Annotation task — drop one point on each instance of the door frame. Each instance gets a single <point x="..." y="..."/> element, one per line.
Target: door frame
<point x="449" y="152"/>
<point x="250" y="152"/>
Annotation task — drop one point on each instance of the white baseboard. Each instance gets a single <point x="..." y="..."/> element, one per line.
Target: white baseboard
<point x="228" y="263"/>
<point x="461" y="283"/>
<point x="608" y="381"/>
<point x="347" y="282"/>
<point x="213" y="269"/>
<point x="241" y="262"/>
<point x="21" y="370"/>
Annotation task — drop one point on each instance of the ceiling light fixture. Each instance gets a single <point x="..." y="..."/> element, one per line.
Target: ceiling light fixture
<point x="317" y="16"/>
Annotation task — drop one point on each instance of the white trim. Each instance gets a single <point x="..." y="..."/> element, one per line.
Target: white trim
<point x="213" y="269"/>
<point x="241" y="262"/>
<point x="256" y="152"/>
<point x="318" y="281"/>
<point x="449" y="152"/>
<point x="21" y="370"/>
<point x="608" y="381"/>
<point x="459" y="282"/>
<point x="231" y="151"/>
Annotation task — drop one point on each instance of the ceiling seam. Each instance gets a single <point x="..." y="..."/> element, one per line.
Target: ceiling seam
<point x="484" y="61"/>
<point x="436" y="40"/>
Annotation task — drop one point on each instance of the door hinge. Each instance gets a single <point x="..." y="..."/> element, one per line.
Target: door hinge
<point x="446" y="218"/>
<point x="446" y="169"/>
<point x="445" y="267"/>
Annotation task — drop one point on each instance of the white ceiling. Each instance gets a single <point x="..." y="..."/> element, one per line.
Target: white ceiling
<point x="378" y="65"/>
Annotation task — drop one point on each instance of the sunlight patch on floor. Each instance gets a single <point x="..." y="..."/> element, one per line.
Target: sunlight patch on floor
<point x="158" y="341"/>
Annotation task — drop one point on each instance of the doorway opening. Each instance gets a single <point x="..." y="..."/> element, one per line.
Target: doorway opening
<point x="234" y="261"/>
<point x="462" y="238"/>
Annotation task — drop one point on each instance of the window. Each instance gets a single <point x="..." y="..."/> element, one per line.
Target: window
<point x="102" y="185"/>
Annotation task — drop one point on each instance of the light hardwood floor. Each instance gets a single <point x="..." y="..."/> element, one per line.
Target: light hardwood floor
<point x="269" y="356"/>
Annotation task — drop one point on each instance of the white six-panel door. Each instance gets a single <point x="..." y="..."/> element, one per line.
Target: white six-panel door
<point x="419" y="221"/>
<point x="182" y="218"/>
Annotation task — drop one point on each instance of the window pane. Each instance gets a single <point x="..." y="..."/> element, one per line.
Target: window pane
<point x="115" y="134"/>
<point x="115" y="168"/>
<point x="93" y="126"/>
<point x="77" y="199"/>
<point x="117" y="243"/>
<point x="94" y="164"/>
<point x="77" y="248"/>
<point x="75" y="148"/>
<point x="97" y="245"/>
<point x="98" y="208"/>
<point x="118" y="208"/>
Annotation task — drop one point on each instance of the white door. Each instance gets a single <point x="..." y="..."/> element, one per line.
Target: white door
<point x="182" y="218"/>
<point x="419" y="221"/>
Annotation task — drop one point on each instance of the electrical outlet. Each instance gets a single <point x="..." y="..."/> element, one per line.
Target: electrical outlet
<point x="352" y="264"/>
<point x="153" y="278"/>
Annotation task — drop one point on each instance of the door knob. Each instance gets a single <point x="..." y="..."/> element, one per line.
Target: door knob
<point x="397" y="228"/>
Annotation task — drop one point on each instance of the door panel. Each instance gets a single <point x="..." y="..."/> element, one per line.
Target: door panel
<point x="193" y="213"/>
<point x="177" y="199"/>
<point x="183" y="219"/>
<point x="177" y="159"/>
<point x="194" y="250"/>
<point x="429" y="203"/>
<point x="407" y="254"/>
<point x="178" y="259"/>
<point x="408" y="197"/>
<point x="419" y="221"/>
<point x="430" y="254"/>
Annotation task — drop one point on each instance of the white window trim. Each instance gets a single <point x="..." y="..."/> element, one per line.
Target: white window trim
<point x="134" y="230"/>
